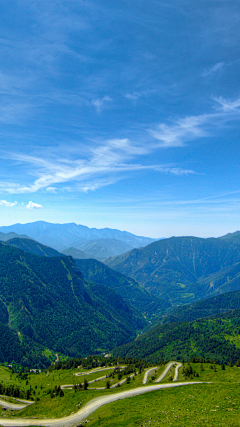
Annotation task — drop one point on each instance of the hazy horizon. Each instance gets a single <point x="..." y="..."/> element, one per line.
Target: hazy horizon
<point x="154" y="237"/>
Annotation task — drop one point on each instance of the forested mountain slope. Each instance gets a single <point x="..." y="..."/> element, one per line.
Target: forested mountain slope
<point x="231" y="237"/>
<point x="215" y="338"/>
<point x="33" y="247"/>
<point x="24" y="350"/>
<point x="129" y="289"/>
<point x="46" y="299"/>
<point x="179" y="269"/>
<point x="204" y="308"/>
<point x="133" y="293"/>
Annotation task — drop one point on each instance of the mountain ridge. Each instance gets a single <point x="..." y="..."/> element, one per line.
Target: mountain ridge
<point x="61" y="236"/>
<point x="182" y="269"/>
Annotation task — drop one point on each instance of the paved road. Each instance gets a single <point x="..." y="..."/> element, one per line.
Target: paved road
<point x="78" y="374"/>
<point x="122" y="381"/>
<point x="74" y="419"/>
<point x="176" y="371"/>
<point x="15" y="406"/>
<point x="148" y="372"/>
<point x="70" y="386"/>
<point x="119" y="383"/>
<point x="164" y="373"/>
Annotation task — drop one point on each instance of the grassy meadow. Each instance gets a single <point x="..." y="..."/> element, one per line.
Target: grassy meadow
<point x="214" y="403"/>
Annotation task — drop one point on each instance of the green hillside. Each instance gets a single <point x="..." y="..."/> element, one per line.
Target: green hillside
<point x="205" y="393"/>
<point x="46" y="300"/>
<point x="135" y="295"/>
<point x="204" y="308"/>
<point x="215" y="338"/>
<point x="231" y="237"/>
<point x="224" y="280"/>
<point x="32" y="247"/>
<point x="182" y="269"/>
<point x="24" y="350"/>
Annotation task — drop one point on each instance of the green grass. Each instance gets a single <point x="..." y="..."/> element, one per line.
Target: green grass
<point x="212" y="404"/>
<point x="196" y="405"/>
<point x="215" y="404"/>
<point x="48" y="380"/>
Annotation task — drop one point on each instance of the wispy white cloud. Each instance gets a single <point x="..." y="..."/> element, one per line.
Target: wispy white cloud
<point x="190" y="128"/>
<point x="178" y="133"/>
<point x="51" y="189"/>
<point x="7" y="204"/>
<point x="99" y="104"/>
<point x="133" y="96"/>
<point x="14" y="112"/>
<point x="106" y="164"/>
<point x="228" y="106"/>
<point x="112" y="160"/>
<point x="175" y="171"/>
<point x="32" y="206"/>
<point x="212" y="70"/>
<point x="138" y="94"/>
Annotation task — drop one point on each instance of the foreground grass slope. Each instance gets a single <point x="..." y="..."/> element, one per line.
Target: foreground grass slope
<point x="196" y="405"/>
<point x="215" y="401"/>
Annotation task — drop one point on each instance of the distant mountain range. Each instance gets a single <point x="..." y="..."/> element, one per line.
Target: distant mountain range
<point x="92" y="242"/>
<point x="7" y="236"/>
<point x="99" y="249"/>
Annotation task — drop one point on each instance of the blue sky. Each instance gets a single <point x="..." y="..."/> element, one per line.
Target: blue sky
<point x="121" y="114"/>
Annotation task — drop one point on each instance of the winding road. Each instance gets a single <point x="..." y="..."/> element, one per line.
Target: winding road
<point x="15" y="406"/>
<point x="148" y="372"/>
<point x="79" y="374"/>
<point x="164" y="373"/>
<point x="176" y="371"/>
<point x="74" y="419"/>
<point x="70" y="386"/>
